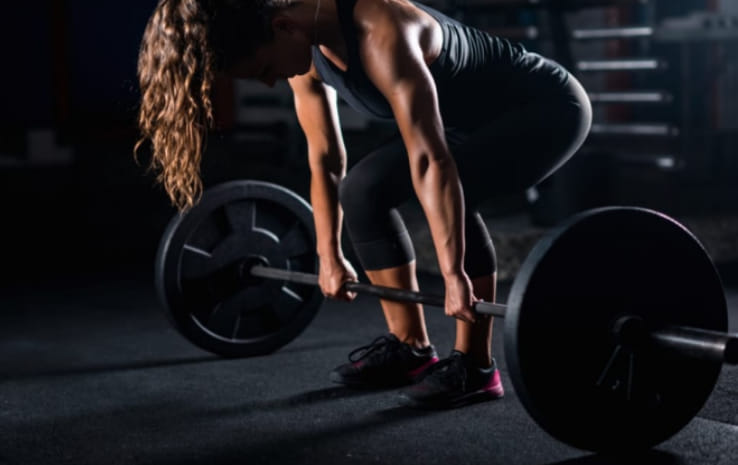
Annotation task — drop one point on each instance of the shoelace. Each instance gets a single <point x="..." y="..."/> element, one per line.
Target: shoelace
<point x="382" y="344"/>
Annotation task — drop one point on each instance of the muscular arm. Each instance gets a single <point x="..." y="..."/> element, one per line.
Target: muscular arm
<point x="317" y="113"/>
<point x="394" y="60"/>
<point x="316" y="109"/>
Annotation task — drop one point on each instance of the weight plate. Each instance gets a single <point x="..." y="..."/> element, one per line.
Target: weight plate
<point x="564" y="361"/>
<point x="202" y="269"/>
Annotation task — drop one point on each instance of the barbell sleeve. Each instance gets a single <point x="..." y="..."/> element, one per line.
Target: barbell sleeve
<point x="698" y="343"/>
<point x="383" y="292"/>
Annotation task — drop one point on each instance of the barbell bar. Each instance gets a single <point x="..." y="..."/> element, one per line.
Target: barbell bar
<point x="693" y="342"/>
<point x="383" y="292"/>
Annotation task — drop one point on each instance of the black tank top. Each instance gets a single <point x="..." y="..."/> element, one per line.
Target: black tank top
<point x="477" y="75"/>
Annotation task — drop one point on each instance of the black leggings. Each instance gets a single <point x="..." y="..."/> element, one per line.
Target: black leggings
<point x="507" y="154"/>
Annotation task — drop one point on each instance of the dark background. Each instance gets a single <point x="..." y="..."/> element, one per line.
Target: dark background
<point x="73" y="197"/>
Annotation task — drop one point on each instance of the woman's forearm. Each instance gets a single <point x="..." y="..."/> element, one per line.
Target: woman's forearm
<point x="440" y="194"/>
<point x="328" y="216"/>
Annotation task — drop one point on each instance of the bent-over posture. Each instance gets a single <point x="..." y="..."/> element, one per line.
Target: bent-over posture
<point x="478" y="117"/>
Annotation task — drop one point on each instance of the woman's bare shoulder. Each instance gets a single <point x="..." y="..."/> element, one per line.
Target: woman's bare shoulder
<point x="393" y="22"/>
<point x="385" y="15"/>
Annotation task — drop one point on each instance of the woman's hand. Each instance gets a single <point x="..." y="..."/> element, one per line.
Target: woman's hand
<point x="460" y="297"/>
<point x="333" y="274"/>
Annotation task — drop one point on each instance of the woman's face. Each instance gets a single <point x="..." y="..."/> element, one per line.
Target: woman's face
<point x="288" y="54"/>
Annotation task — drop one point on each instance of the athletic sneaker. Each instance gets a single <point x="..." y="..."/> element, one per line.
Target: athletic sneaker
<point x="454" y="382"/>
<point x="386" y="362"/>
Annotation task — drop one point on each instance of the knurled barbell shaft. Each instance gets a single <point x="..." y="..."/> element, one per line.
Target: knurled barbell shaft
<point x="383" y="292"/>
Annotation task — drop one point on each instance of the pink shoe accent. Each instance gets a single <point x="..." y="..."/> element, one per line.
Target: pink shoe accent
<point x="494" y="387"/>
<point x="417" y="371"/>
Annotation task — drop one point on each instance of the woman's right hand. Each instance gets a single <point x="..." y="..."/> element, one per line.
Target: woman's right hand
<point x="333" y="274"/>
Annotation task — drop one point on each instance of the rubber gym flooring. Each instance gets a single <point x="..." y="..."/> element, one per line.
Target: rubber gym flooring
<point x="92" y="373"/>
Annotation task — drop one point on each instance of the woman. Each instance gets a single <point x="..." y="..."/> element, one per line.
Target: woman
<point x="478" y="117"/>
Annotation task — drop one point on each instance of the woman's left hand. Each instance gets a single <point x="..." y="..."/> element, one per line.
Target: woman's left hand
<point x="460" y="297"/>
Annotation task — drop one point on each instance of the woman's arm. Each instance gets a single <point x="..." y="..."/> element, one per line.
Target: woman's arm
<point x="395" y="61"/>
<point x="317" y="112"/>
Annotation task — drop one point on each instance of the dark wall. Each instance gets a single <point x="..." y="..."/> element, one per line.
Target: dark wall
<point x="27" y="71"/>
<point x="70" y="63"/>
<point x="70" y="67"/>
<point x="103" y="40"/>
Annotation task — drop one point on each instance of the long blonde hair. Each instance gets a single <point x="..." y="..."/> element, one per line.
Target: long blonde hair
<point x="175" y="72"/>
<point x="184" y="43"/>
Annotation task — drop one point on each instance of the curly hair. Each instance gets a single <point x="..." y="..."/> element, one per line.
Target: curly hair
<point x="184" y="44"/>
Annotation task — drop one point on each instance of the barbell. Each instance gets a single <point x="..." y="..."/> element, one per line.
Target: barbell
<point x="615" y="325"/>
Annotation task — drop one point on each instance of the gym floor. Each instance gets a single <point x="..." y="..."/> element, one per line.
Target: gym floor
<point x="93" y="373"/>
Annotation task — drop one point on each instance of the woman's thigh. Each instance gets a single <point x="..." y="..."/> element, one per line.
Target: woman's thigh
<point x="522" y="146"/>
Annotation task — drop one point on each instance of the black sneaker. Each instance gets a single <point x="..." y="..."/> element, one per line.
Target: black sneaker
<point x="386" y="362"/>
<point x="453" y="382"/>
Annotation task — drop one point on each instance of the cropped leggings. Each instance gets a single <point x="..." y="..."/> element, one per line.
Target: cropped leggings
<point x="506" y="154"/>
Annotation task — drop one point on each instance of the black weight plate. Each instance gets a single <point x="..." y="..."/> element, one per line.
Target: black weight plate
<point x="577" y="281"/>
<point x="201" y="261"/>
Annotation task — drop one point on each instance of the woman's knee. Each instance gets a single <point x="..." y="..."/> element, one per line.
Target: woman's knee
<point x="480" y="258"/>
<point x="378" y="233"/>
